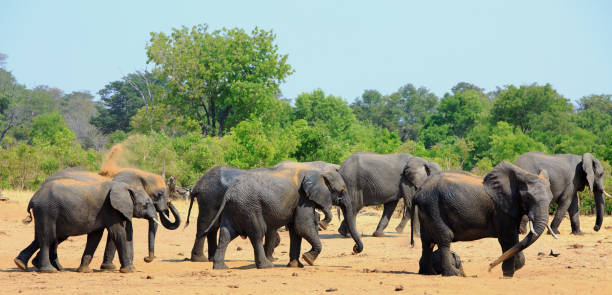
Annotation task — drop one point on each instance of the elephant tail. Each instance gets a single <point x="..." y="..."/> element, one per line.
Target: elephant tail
<point x="412" y="210"/>
<point x="191" y="197"/>
<point x="214" y="220"/>
<point x="28" y="219"/>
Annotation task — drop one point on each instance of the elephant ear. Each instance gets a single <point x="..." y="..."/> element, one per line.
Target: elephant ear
<point x="502" y="185"/>
<point x="432" y="168"/>
<point x="587" y="167"/>
<point x="121" y="199"/>
<point x="316" y="188"/>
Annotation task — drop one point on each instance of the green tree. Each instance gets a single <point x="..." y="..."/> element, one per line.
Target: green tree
<point x="507" y="143"/>
<point x="383" y="111"/>
<point x="119" y="102"/>
<point x="218" y="77"/>
<point x="522" y="106"/>
<point x="416" y="104"/>
<point x="328" y="110"/>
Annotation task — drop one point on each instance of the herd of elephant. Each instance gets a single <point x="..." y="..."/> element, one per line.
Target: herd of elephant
<point x="450" y="205"/>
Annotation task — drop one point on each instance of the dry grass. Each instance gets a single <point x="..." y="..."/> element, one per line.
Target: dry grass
<point x="17" y="195"/>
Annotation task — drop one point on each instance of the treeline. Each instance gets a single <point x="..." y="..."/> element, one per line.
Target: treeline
<point x="213" y="98"/>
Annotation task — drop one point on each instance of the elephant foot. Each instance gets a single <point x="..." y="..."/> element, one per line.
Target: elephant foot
<point x="84" y="269"/>
<point x="47" y="269"/>
<point x="36" y="262"/>
<point x="378" y="234"/>
<point x="57" y="265"/>
<point x="271" y="258"/>
<point x="21" y="264"/>
<point x="265" y="264"/>
<point x="309" y="257"/>
<point x="220" y="265"/>
<point x="430" y="272"/>
<point x="399" y="229"/>
<point x="127" y="269"/>
<point x="295" y="263"/>
<point x="199" y="258"/>
<point x="149" y="259"/>
<point x="107" y="266"/>
<point x="578" y="233"/>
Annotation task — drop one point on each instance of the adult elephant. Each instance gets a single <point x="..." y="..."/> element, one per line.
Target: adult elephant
<point x="64" y="207"/>
<point x="459" y="206"/>
<point x="209" y="191"/>
<point x="259" y="202"/>
<point x="374" y="179"/>
<point x="569" y="174"/>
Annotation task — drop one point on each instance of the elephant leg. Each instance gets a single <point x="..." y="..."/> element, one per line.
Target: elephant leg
<point x="574" y="216"/>
<point x="305" y="227"/>
<point x="426" y="261"/>
<point x="46" y="241"/>
<point x="24" y="256"/>
<point x="93" y="239"/>
<point x="109" y="254"/>
<point x="384" y="220"/>
<point x="117" y="232"/>
<point x="53" y="255"/>
<point x="295" y="245"/>
<point x="447" y="263"/>
<point x="211" y="237"/>
<point x="226" y="235"/>
<point x="272" y="240"/>
<point x="129" y="241"/>
<point x="564" y="203"/>
<point x="509" y="265"/>
<point x="260" y="255"/>
<point x="197" y="252"/>
<point x="519" y="260"/>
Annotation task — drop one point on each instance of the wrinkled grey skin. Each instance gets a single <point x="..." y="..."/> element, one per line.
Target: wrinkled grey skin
<point x="259" y="202"/>
<point x="374" y="179"/>
<point x="65" y="207"/>
<point x="569" y="174"/>
<point x="209" y="191"/>
<point x="458" y="206"/>
<point x="436" y="260"/>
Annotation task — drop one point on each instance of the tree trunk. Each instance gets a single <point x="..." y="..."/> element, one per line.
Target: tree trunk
<point x="222" y="120"/>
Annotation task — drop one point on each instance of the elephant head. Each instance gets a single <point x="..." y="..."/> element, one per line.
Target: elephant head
<point x="594" y="175"/>
<point x="326" y="189"/>
<point x="131" y="202"/>
<point x="156" y="189"/>
<point x="517" y="192"/>
<point x="415" y="172"/>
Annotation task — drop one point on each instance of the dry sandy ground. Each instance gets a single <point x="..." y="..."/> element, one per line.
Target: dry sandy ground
<point x="386" y="264"/>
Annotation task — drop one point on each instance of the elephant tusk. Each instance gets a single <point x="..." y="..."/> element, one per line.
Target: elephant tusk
<point x="607" y="195"/>
<point x="531" y="228"/>
<point x="166" y="215"/>
<point x="551" y="231"/>
<point x="156" y="221"/>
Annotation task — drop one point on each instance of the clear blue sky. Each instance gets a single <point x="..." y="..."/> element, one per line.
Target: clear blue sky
<point x="343" y="47"/>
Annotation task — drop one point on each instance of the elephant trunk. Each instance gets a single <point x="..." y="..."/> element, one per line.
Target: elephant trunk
<point x="599" y="208"/>
<point x="164" y="218"/>
<point x="152" y="233"/>
<point x="349" y="218"/>
<point x="538" y="216"/>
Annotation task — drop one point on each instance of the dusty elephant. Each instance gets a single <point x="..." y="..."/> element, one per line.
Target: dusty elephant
<point x="209" y="191"/>
<point x="458" y="206"/>
<point x="373" y="179"/>
<point x="569" y="174"/>
<point x="66" y="207"/>
<point x="259" y="202"/>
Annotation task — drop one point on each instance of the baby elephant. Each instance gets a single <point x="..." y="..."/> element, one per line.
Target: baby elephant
<point x="66" y="207"/>
<point x="437" y="264"/>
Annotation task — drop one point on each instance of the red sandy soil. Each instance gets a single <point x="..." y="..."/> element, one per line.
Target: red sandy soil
<point x="387" y="264"/>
